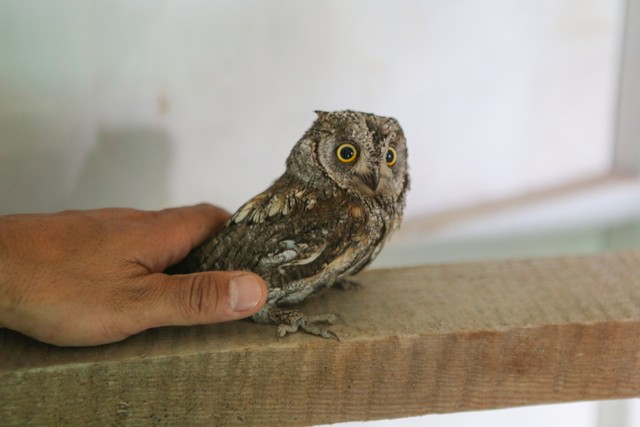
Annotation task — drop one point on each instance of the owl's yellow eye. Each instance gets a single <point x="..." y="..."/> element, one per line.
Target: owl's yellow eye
<point x="347" y="153"/>
<point x="391" y="156"/>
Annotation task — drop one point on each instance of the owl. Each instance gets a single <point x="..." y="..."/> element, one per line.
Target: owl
<point x="325" y="219"/>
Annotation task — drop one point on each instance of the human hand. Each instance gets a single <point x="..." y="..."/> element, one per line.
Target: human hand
<point x="93" y="277"/>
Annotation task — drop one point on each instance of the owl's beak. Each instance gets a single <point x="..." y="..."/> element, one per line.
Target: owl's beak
<point x="371" y="179"/>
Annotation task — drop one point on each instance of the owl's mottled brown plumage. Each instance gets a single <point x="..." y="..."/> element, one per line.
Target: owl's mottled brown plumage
<point x="324" y="219"/>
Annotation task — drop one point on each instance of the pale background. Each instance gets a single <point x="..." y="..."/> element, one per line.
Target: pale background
<point x="156" y="103"/>
<point x="151" y="104"/>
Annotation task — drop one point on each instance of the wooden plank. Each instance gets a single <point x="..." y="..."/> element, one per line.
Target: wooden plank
<point x="423" y="340"/>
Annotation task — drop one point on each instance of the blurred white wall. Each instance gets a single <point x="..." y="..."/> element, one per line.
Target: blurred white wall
<point x="156" y="103"/>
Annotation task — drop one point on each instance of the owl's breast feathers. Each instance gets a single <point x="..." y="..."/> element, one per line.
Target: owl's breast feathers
<point x="289" y="233"/>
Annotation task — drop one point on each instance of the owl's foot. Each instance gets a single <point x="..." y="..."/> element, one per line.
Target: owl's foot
<point x="290" y="321"/>
<point x="348" y="285"/>
<point x="310" y="323"/>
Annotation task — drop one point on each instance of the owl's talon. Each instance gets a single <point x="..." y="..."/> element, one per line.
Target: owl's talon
<point x="326" y="333"/>
<point x="284" y="329"/>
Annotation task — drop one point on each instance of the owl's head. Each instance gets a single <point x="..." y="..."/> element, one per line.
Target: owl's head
<point x="360" y="152"/>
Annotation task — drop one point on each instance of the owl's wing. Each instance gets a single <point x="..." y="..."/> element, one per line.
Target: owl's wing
<point x="290" y="236"/>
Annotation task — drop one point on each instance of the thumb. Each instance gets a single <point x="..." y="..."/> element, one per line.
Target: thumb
<point x="202" y="298"/>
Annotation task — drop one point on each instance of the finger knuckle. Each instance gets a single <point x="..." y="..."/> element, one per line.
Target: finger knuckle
<point x="200" y="297"/>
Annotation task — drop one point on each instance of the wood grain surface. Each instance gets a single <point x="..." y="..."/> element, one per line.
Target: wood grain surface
<point x="430" y="339"/>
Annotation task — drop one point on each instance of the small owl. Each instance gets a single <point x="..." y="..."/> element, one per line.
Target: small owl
<point x="324" y="220"/>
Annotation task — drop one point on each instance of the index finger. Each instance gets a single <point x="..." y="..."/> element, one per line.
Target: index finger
<point x="175" y="231"/>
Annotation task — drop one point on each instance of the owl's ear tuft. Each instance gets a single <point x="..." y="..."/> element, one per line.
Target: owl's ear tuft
<point x="321" y="114"/>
